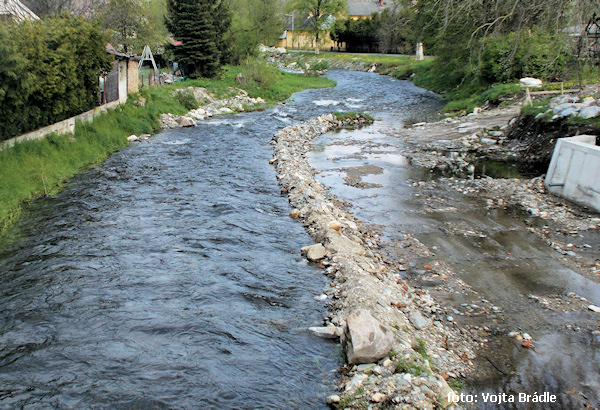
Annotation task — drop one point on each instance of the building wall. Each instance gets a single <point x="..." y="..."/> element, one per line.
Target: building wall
<point x="304" y="40"/>
<point x="122" y="69"/>
<point x="133" y="77"/>
<point x="63" y="127"/>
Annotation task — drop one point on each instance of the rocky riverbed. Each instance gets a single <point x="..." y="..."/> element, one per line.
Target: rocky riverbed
<point x="410" y="350"/>
<point x="239" y="102"/>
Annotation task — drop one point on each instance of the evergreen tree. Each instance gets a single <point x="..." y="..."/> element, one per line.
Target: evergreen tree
<point x="201" y="26"/>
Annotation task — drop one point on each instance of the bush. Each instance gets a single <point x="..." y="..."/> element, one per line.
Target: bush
<point x="48" y="71"/>
<point x="538" y="54"/>
<point x="187" y="99"/>
<point x="259" y="72"/>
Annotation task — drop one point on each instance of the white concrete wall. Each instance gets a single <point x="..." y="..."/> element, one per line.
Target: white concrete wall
<point x="574" y="171"/>
<point x="63" y="127"/>
<point x="122" y="67"/>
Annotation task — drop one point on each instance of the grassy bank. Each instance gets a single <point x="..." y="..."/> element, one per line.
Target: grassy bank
<point x="39" y="168"/>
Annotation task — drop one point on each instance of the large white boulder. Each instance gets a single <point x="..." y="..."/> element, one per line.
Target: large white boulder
<point x="530" y="82"/>
<point x="365" y="339"/>
<point x="186" y="122"/>
<point x="314" y="253"/>
<point x="592" y="111"/>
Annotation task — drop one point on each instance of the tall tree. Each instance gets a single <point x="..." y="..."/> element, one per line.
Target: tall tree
<point x="254" y="22"/>
<point x="321" y="14"/>
<point x="127" y="21"/>
<point x="471" y="36"/>
<point x="200" y="25"/>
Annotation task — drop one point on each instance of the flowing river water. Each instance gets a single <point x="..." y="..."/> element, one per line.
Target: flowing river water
<point x="170" y="276"/>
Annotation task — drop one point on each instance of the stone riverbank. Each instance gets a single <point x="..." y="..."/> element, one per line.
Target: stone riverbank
<point x="400" y="351"/>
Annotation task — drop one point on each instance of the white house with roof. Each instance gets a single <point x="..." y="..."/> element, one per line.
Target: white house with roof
<point x="14" y="10"/>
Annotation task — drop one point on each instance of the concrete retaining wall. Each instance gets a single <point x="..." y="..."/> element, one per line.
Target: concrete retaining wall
<point x="574" y="171"/>
<point x="63" y="127"/>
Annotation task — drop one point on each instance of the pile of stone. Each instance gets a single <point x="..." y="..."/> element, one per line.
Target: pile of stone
<point x="305" y="64"/>
<point x="271" y="50"/>
<point x="240" y="102"/>
<point x="394" y="336"/>
<point x="572" y="106"/>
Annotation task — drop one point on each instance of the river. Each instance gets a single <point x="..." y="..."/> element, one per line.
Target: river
<point x="170" y="276"/>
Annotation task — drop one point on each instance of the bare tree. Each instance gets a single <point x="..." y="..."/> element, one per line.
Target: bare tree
<point x="78" y="7"/>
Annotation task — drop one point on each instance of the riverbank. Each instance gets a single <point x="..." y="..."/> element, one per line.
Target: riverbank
<point x="41" y="168"/>
<point x="408" y="354"/>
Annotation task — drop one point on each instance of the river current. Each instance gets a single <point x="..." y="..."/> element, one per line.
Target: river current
<point x="170" y="276"/>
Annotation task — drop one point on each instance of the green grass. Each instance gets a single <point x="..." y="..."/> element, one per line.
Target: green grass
<point x="421" y="348"/>
<point x="37" y="168"/>
<point x="456" y="384"/>
<point x="413" y="365"/>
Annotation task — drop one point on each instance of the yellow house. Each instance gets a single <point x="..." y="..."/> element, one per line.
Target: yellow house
<point x="298" y="35"/>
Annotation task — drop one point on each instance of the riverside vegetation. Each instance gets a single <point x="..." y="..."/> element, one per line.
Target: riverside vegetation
<point x="37" y="168"/>
<point x="461" y="98"/>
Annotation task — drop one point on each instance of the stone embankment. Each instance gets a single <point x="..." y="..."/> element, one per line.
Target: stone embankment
<point x="240" y="102"/>
<point x="400" y="351"/>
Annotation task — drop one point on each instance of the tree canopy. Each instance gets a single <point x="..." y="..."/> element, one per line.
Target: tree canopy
<point x="254" y="22"/>
<point x="200" y="26"/>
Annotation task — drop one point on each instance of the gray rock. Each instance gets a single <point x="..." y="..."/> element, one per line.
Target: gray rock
<point x="592" y="111"/>
<point x="569" y="112"/>
<point x="364" y="367"/>
<point x="593" y="308"/>
<point x="226" y="110"/>
<point x="314" y="253"/>
<point x="186" y="122"/>
<point x="365" y="339"/>
<point x="561" y="107"/>
<point x="356" y="381"/>
<point x="330" y="331"/>
<point x="488" y="141"/>
<point x="334" y="398"/>
<point x="418" y="321"/>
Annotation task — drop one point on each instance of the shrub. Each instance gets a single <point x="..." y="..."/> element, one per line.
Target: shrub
<point x="538" y="54"/>
<point x="259" y="72"/>
<point x="48" y="71"/>
<point x="187" y="99"/>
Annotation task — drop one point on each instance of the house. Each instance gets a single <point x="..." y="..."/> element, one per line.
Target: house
<point x="122" y="80"/>
<point x="298" y="35"/>
<point x="358" y="9"/>
<point x="14" y="10"/>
